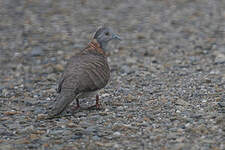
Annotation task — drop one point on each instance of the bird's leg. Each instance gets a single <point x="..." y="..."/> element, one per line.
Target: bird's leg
<point x="97" y="105"/>
<point x="78" y="105"/>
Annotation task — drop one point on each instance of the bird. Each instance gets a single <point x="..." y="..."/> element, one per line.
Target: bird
<point x="86" y="73"/>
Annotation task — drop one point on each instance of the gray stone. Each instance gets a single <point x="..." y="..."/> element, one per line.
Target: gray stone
<point x="37" y="51"/>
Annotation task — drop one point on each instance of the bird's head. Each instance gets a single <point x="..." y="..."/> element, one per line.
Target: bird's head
<point x="105" y="34"/>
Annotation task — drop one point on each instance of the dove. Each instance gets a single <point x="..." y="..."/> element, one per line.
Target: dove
<point x="86" y="73"/>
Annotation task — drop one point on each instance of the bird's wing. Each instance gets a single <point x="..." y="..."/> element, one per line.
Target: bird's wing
<point x="59" y="88"/>
<point x="85" y="72"/>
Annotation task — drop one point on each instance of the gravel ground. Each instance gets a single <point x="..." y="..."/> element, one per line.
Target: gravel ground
<point x="167" y="83"/>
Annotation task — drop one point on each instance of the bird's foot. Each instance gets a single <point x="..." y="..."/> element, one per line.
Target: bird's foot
<point x="75" y="109"/>
<point x="96" y="106"/>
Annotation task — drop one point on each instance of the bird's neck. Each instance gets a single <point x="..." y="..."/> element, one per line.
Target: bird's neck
<point x="95" y="45"/>
<point x="102" y="43"/>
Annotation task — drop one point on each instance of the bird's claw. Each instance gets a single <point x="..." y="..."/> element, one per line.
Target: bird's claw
<point x="96" y="106"/>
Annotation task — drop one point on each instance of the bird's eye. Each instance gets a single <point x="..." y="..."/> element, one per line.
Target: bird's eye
<point x="107" y="33"/>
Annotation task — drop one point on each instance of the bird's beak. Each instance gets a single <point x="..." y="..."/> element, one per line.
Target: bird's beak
<point x="115" y="36"/>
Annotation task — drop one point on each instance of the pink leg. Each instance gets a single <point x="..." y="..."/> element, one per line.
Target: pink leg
<point x="97" y="105"/>
<point x="78" y="105"/>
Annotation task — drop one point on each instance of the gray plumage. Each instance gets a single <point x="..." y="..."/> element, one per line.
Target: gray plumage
<point x="86" y="72"/>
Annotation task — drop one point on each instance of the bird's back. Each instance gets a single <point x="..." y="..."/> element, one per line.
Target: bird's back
<point x="86" y="71"/>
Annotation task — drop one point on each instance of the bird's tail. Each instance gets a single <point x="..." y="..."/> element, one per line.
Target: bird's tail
<point x="65" y="97"/>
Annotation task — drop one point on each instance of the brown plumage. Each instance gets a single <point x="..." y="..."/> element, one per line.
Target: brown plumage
<point x="86" y="73"/>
